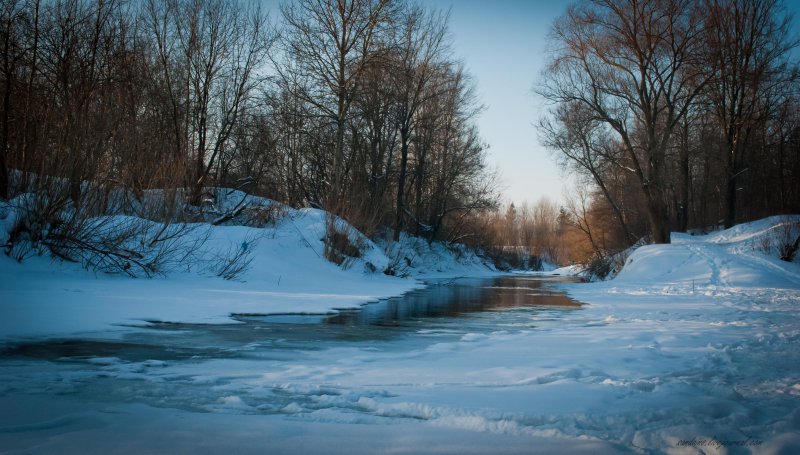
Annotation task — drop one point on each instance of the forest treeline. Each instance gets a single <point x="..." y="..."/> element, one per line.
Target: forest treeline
<point x="674" y="115"/>
<point x="359" y="107"/>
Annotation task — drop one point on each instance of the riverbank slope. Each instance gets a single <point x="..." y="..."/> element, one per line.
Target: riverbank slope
<point x="286" y="273"/>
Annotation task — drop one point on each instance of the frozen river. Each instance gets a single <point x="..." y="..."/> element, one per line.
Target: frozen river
<point x="508" y="364"/>
<point x="444" y="312"/>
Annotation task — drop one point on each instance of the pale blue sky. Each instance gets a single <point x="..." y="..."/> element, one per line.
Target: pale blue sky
<point x="502" y="43"/>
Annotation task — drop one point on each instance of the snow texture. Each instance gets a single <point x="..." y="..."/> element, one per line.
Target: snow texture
<point x="288" y="274"/>
<point x="691" y="349"/>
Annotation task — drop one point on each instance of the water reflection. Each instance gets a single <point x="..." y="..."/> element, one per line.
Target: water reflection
<point x="517" y="301"/>
<point x="453" y="299"/>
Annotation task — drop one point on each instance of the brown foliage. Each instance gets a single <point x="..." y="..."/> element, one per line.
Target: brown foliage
<point x="674" y="114"/>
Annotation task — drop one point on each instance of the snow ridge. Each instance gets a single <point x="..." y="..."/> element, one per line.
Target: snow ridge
<point x="730" y="258"/>
<point x="287" y="274"/>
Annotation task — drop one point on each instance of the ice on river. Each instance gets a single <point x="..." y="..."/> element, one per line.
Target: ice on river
<point x="692" y="349"/>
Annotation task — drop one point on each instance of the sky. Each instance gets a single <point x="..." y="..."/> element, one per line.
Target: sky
<point x="502" y="44"/>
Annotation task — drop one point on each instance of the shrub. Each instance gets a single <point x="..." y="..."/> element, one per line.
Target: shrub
<point x="342" y="242"/>
<point x="47" y="221"/>
<point x="231" y="264"/>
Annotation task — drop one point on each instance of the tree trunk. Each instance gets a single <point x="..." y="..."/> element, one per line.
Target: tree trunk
<point x="338" y="157"/>
<point x="341" y="113"/>
<point x="8" y="73"/>
<point x="734" y="170"/>
<point x="658" y="227"/>
<point x="730" y="208"/>
<point x="657" y="216"/>
<point x="685" y="181"/>
<point x="197" y="190"/>
<point x="4" y="142"/>
<point x="75" y="183"/>
<point x="401" y="183"/>
<point x="4" y="193"/>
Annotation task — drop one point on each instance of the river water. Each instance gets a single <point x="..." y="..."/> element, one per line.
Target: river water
<point x="458" y="306"/>
<point x="122" y="369"/>
<point x="398" y="362"/>
<point x="493" y="365"/>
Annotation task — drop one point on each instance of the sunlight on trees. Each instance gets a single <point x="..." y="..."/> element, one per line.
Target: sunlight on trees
<point x="675" y="115"/>
<point x="356" y="106"/>
<point x="672" y="114"/>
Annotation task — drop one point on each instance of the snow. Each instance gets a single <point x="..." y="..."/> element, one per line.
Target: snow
<point x="288" y="274"/>
<point x="692" y="348"/>
<point x="724" y="259"/>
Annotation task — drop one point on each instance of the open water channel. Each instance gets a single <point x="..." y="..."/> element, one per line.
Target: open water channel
<point x="397" y="362"/>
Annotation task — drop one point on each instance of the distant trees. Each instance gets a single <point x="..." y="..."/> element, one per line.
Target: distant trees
<point x="677" y="113"/>
<point x="527" y="236"/>
<point x="355" y="106"/>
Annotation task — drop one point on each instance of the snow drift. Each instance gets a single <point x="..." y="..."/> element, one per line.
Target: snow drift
<point x="284" y="271"/>
<point x="743" y="256"/>
<point x="691" y="349"/>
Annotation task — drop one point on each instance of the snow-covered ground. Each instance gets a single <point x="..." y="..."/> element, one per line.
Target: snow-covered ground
<point x="693" y="348"/>
<point x="288" y="274"/>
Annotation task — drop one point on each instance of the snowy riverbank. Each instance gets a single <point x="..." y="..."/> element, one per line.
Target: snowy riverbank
<point x="288" y="274"/>
<point x="691" y="349"/>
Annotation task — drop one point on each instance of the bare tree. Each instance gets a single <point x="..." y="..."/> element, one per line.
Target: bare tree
<point x="458" y="182"/>
<point x="633" y="66"/>
<point x="378" y="144"/>
<point x="331" y="43"/>
<point x="583" y="144"/>
<point x="749" y="43"/>
<point x="210" y="52"/>
<point x="420" y="50"/>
